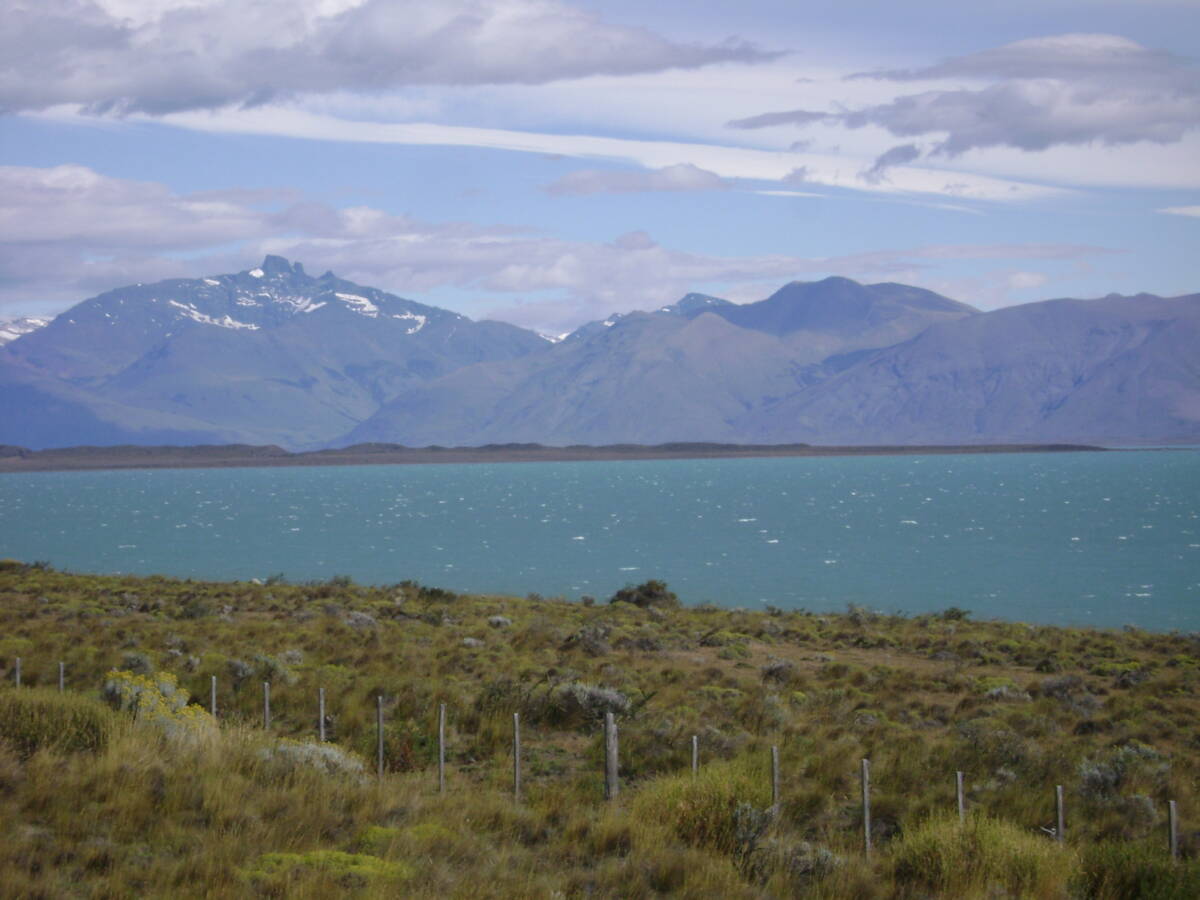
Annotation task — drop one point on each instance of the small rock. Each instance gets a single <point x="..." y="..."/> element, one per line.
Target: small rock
<point x="473" y="643"/>
<point x="500" y="622"/>
<point x="357" y="619"/>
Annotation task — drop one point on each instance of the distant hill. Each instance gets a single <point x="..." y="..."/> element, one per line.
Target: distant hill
<point x="274" y="356"/>
<point x="268" y="355"/>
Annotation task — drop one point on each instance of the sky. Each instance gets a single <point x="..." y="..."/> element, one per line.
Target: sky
<point x="549" y="162"/>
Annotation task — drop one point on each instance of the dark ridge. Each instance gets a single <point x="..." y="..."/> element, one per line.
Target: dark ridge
<point x="20" y="459"/>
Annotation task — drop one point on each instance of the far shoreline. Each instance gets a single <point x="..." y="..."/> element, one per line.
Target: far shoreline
<point x="20" y="459"/>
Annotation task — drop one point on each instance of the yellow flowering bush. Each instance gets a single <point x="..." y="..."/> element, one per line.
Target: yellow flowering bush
<point x="157" y="701"/>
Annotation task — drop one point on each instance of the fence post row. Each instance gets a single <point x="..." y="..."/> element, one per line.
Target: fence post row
<point x="866" y="806"/>
<point x="612" y="761"/>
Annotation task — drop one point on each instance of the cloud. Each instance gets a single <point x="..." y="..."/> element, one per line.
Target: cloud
<point x="1068" y="89"/>
<point x="722" y="160"/>
<point x="1181" y="210"/>
<point x="897" y="156"/>
<point x="1026" y="280"/>
<point x="69" y="232"/>
<point x="679" y="177"/>
<point x="120" y="56"/>
<point x="788" y="117"/>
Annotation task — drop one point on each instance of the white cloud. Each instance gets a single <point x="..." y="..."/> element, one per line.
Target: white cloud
<point x="1072" y="89"/>
<point x="724" y="161"/>
<point x="69" y="232"/>
<point x="679" y="177"/>
<point x="1025" y="280"/>
<point x="1181" y="210"/>
<point x="157" y="57"/>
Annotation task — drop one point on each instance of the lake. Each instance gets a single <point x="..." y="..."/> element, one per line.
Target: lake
<point x="1103" y="539"/>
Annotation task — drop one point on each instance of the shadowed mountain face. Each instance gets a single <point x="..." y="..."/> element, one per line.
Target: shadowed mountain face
<point x="270" y="355"/>
<point x="702" y="369"/>
<point x="1120" y="369"/>
<point x="274" y="356"/>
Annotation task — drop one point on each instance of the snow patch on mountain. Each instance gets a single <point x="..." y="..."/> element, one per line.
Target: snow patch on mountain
<point x="11" y="329"/>
<point x="420" y="320"/>
<point x="225" y="321"/>
<point x="359" y="304"/>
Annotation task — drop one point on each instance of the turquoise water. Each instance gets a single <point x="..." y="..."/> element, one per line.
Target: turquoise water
<point x="1103" y="539"/>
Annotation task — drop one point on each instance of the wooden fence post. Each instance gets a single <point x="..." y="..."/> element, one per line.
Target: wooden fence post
<point x="695" y="755"/>
<point x="17" y="674"/>
<point x="517" y="756"/>
<point x="62" y="676"/>
<point x="266" y="704"/>
<point x="212" y="697"/>
<point x="321" y="714"/>
<point x="611" y="758"/>
<point x="775" y="780"/>
<point x="1060" y="830"/>
<point x="1173" y="825"/>
<point x="866" y="806"/>
<point x="962" y="802"/>
<point x="379" y="734"/>
<point x="441" y="748"/>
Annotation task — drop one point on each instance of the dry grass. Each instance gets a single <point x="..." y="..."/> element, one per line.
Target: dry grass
<point x="160" y="811"/>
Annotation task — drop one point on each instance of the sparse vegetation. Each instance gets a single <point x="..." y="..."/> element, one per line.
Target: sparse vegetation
<point x="100" y="797"/>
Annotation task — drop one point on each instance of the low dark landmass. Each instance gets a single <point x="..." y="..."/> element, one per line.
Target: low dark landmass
<point x="21" y="459"/>
<point x="119" y="786"/>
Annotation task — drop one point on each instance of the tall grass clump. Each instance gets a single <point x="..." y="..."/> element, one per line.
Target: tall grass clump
<point x="39" y="718"/>
<point x="714" y="809"/>
<point x="1113" y="870"/>
<point x="982" y="857"/>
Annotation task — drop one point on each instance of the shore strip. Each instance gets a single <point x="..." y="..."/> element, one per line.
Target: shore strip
<point x="21" y="459"/>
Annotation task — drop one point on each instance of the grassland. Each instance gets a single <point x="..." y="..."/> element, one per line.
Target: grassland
<point x="120" y="787"/>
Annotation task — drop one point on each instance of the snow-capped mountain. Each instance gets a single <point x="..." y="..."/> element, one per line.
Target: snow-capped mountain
<point x="267" y="355"/>
<point x="11" y="329"/>
<point x="271" y="355"/>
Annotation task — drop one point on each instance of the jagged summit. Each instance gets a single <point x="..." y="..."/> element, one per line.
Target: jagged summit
<point x="268" y="351"/>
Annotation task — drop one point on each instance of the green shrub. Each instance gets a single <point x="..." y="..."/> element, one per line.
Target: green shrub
<point x="983" y="857"/>
<point x="1113" y="870"/>
<point x="285" y="757"/>
<point x="33" y="718"/>
<point x="651" y="593"/>
<point x="408" y="745"/>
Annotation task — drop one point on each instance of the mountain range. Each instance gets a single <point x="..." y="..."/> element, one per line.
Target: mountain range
<point x="272" y="355"/>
